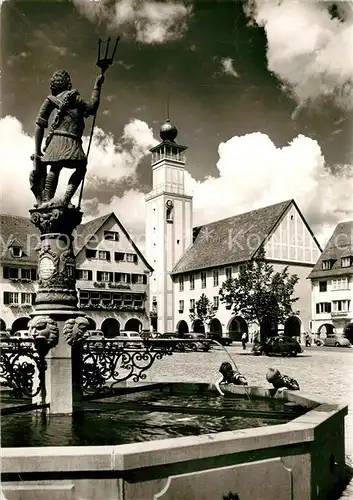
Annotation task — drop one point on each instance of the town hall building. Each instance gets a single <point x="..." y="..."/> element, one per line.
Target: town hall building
<point x="189" y="261"/>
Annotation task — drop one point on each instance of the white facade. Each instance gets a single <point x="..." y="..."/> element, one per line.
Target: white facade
<point x="168" y="228"/>
<point x="112" y="284"/>
<point x="332" y="304"/>
<point x="290" y="243"/>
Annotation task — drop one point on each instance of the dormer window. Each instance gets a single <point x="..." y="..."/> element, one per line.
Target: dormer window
<point x="327" y="264"/>
<point x="16" y="251"/>
<point x="169" y="211"/>
<point x="347" y="261"/>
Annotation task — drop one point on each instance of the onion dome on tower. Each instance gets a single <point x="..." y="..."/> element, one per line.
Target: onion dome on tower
<point x="168" y="131"/>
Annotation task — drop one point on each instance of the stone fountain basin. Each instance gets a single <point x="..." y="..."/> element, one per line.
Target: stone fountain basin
<point x="302" y="459"/>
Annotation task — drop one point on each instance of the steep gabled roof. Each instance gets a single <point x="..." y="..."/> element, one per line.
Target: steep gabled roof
<point x="90" y="228"/>
<point x="231" y="240"/>
<point x="18" y="231"/>
<point x="86" y="231"/>
<point x="339" y="245"/>
<point x="21" y="232"/>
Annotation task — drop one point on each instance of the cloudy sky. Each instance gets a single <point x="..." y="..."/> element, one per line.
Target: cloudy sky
<point x="260" y="90"/>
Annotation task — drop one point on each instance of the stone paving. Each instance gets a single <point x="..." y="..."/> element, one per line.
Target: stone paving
<point x="324" y="371"/>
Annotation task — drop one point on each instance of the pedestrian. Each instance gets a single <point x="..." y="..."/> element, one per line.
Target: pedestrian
<point x="229" y="376"/>
<point x="281" y="382"/>
<point x="243" y="340"/>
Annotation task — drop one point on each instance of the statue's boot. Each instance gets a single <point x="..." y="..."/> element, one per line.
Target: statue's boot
<point x="70" y="191"/>
<point x="51" y="183"/>
<point x="73" y="184"/>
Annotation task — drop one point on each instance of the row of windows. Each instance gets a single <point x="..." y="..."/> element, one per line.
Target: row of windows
<point x="334" y="306"/>
<point x="336" y="284"/>
<point x="193" y="304"/>
<point x="19" y="273"/>
<point x="108" y="276"/>
<point x="106" y="298"/>
<point x="203" y="275"/>
<point x="16" y="298"/>
<point x="345" y="262"/>
<point x="105" y="255"/>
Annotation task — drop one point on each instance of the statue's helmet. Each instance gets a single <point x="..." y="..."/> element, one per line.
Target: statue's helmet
<point x="59" y="82"/>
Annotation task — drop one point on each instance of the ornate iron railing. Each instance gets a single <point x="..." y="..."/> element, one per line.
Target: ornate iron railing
<point x="107" y="362"/>
<point x="22" y="367"/>
<point x="102" y="363"/>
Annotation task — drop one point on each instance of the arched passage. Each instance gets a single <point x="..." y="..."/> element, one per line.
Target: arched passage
<point x="292" y="326"/>
<point x="20" y="324"/>
<point x="326" y="329"/>
<point x="198" y="326"/>
<point x="236" y="327"/>
<point x="182" y="327"/>
<point x="92" y="323"/>
<point x="2" y="325"/>
<point x="215" y="326"/>
<point x="110" y="327"/>
<point x="133" y="325"/>
<point x="348" y="332"/>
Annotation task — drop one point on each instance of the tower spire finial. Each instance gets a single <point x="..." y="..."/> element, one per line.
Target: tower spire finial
<point x="168" y="117"/>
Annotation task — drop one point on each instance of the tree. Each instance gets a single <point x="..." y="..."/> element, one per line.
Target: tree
<point x="204" y="310"/>
<point x="260" y="294"/>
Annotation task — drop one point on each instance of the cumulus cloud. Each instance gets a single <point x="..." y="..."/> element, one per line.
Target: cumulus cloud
<point x="151" y="22"/>
<point x="252" y="173"/>
<point x="109" y="162"/>
<point x="309" y="46"/>
<point x="227" y="65"/>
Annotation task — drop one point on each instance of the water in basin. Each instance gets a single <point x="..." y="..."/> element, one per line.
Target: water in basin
<point x="142" y="416"/>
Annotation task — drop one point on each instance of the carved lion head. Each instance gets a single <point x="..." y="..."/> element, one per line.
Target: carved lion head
<point x="44" y="327"/>
<point x="75" y="329"/>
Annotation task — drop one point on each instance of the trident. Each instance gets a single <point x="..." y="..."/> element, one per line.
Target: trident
<point x="103" y="63"/>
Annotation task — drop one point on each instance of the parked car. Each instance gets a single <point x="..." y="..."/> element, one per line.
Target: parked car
<point x="198" y="345"/>
<point x="135" y="337"/>
<point x="4" y="337"/>
<point x="21" y="335"/>
<point x="333" y="340"/>
<point x="285" y="346"/>
<point x="219" y="338"/>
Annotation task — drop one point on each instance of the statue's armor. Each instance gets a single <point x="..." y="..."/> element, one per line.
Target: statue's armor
<point x="64" y="143"/>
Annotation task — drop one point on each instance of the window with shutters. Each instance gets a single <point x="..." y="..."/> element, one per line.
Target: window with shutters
<point x="181" y="283"/>
<point x="84" y="274"/>
<point x="192" y="281"/>
<point x="11" y="298"/>
<point x="103" y="255"/>
<point x="111" y="235"/>
<point x="131" y="257"/>
<point x="25" y="274"/>
<point x="26" y="298"/>
<point x="105" y="276"/>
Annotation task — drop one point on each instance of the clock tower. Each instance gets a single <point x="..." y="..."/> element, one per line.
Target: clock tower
<point x="168" y="224"/>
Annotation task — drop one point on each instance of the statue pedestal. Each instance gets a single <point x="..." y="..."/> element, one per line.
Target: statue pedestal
<point x="62" y="376"/>
<point x="56" y="304"/>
